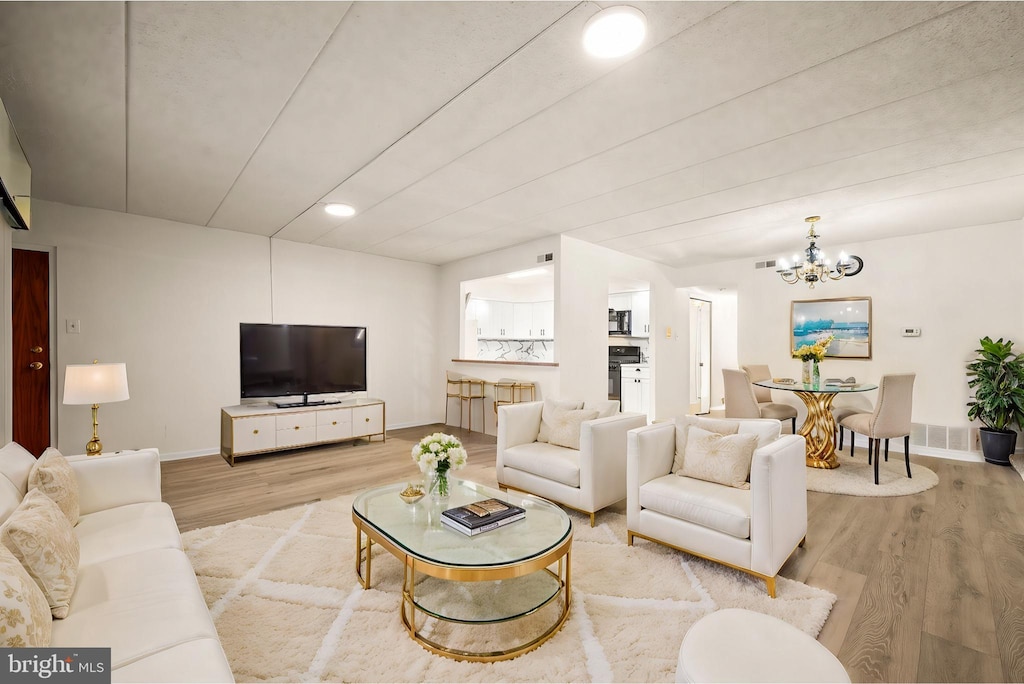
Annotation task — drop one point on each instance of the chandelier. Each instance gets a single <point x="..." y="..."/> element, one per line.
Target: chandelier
<point x="815" y="266"/>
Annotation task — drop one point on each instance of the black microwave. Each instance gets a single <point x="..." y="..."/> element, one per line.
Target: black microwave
<point x="620" y="322"/>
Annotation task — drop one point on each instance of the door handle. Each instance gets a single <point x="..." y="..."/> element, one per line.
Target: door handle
<point x="36" y="350"/>
<point x="35" y="365"/>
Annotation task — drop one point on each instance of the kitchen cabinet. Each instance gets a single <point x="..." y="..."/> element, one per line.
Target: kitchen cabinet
<point x="514" y="320"/>
<point x="641" y="303"/>
<point x="635" y="394"/>
<point x="620" y="302"/>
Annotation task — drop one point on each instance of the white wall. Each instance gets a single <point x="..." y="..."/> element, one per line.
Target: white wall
<point x="956" y="285"/>
<point x="167" y="298"/>
<point x="395" y="300"/>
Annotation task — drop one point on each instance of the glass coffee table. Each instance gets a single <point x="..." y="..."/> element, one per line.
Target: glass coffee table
<point x="497" y="577"/>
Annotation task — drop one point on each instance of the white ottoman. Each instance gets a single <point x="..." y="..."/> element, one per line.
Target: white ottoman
<point x="735" y="645"/>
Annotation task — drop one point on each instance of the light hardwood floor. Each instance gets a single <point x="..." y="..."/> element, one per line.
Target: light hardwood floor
<point x="929" y="585"/>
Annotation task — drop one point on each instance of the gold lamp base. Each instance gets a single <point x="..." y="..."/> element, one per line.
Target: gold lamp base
<point x="95" y="446"/>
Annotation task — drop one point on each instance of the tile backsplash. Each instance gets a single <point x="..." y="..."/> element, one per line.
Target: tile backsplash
<point x="516" y="350"/>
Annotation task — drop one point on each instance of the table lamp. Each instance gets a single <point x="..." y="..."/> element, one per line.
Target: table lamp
<point x="95" y="383"/>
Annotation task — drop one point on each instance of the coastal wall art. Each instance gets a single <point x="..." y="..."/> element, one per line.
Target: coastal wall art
<point x="847" y="319"/>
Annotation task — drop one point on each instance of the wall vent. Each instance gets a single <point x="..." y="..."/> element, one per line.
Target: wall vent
<point x="937" y="436"/>
<point x="769" y="263"/>
<point x="544" y="258"/>
<point x="918" y="434"/>
<point x="958" y="439"/>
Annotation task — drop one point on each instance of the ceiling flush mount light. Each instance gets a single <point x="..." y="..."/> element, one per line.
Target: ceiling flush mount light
<point x="815" y="267"/>
<point x="614" y="32"/>
<point x="340" y="210"/>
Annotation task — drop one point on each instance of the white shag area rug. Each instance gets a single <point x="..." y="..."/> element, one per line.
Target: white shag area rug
<point x="283" y="592"/>
<point x="855" y="477"/>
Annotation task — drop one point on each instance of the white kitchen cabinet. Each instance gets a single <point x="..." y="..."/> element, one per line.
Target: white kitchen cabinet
<point x="522" y="320"/>
<point x="543" y="320"/>
<point x="621" y="301"/>
<point x="636" y="388"/>
<point x="641" y="307"/>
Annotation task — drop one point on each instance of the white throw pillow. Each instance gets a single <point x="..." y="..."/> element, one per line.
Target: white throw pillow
<point x="52" y="475"/>
<point x="39" y="535"/>
<point x="565" y="428"/>
<point x="722" y="427"/>
<point x="605" y="409"/>
<point x="26" y="621"/>
<point x="547" y="415"/>
<point x="724" y="459"/>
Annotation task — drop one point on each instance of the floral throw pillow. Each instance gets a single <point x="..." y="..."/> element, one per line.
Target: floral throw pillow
<point x="39" y="535"/>
<point x="724" y="459"/>
<point x="565" y="427"/>
<point x="52" y="475"/>
<point x="25" y="620"/>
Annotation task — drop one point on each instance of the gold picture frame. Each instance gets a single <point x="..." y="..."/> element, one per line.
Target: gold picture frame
<point x="848" y="318"/>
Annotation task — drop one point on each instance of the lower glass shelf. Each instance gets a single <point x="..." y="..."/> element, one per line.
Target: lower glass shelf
<point x="485" y="602"/>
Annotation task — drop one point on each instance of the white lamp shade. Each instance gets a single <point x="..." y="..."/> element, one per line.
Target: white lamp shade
<point x="95" y="383"/>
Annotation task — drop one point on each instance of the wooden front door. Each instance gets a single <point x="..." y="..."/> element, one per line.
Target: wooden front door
<point x="30" y="291"/>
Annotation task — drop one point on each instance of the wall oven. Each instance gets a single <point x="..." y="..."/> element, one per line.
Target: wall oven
<point x="620" y="322"/>
<point x="616" y="357"/>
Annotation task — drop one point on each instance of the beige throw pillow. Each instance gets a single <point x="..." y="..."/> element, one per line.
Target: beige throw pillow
<point x="41" y="538"/>
<point x="722" y="427"/>
<point x="724" y="459"/>
<point x="547" y="415"/>
<point x="25" y="620"/>
<point x="565" y="428"/>
<point x="52" y="475"/>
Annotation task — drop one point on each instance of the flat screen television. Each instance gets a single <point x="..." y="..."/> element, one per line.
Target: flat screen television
<point x="288" y="360"/>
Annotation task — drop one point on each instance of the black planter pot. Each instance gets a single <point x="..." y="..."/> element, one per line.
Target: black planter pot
<point x="997" y="445"/>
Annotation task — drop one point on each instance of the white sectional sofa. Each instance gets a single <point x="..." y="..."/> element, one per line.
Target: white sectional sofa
<point x="136" y="592"/>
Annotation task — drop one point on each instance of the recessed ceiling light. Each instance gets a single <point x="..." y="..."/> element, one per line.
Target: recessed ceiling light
<point x="614" y="32"/>
<point x="340" y="210"/>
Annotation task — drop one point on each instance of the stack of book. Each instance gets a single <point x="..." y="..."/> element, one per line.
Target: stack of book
<point x="481" y="516"/>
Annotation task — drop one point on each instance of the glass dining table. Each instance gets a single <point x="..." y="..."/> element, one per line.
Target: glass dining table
<point x="819" y="430"/>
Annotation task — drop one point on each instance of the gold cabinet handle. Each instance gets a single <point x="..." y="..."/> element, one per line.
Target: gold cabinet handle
<point x="35" y="365"/>
<point x="296" y="427"/>
<point x="367" y="420"/>
<point x="334" y="422"/>
<point x="255" y="432"/>
<point x="36" y="350"/>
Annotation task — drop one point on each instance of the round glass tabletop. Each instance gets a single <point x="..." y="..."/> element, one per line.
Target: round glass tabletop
<point x="821" y="387"/>
<point x="418" y="530"/>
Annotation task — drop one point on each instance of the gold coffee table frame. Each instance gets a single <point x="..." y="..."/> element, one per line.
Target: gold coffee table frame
<point x="561" y="554"/>
<point x="819" y="430"/>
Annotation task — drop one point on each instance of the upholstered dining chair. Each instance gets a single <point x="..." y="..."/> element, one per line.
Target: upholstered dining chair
<point x="841" y="412"/>
<point x="741" y="400"/>
<point x="891" y="418"/>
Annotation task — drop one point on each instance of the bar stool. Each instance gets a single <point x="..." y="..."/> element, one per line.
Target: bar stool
<point x="465" y="389"/>
<point x="512" y="391"/>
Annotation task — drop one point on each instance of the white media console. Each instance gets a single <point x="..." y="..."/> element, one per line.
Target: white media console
<point x="261" y="428"/>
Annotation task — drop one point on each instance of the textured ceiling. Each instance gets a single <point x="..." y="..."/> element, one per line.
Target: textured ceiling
<point x="457" y="128"/>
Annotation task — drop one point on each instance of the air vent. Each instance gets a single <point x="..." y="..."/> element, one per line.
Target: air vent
<point x="958" y="439"/>
<point x="544" y="258"/>
<point x="918" y="434"/>
<point x="937" y="436"/>
<point x="770" y="263"/>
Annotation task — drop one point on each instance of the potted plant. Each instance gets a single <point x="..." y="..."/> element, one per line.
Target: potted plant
<point x="997" y="378"/>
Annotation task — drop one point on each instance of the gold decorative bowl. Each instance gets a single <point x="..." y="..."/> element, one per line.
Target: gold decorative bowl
<point x="412" y="493"/>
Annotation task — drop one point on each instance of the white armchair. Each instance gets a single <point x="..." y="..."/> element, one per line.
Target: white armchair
<point x="753" y="530"/>
<point x="587" y="479"/>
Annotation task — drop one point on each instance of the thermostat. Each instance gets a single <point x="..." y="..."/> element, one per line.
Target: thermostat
<point x="911" y="332"/>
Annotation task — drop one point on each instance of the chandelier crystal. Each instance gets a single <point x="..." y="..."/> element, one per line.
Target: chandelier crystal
<point x="815" y="267"/>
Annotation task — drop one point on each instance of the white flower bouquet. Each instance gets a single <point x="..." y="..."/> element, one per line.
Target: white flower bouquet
<point x="437" y="454"/>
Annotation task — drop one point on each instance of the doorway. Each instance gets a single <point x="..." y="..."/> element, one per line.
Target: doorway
<point x="30" y="339"/>
<point x="700" y="356"/>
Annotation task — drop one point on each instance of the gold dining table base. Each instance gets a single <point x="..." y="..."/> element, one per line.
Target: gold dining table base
<point x="819" y="430"/>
